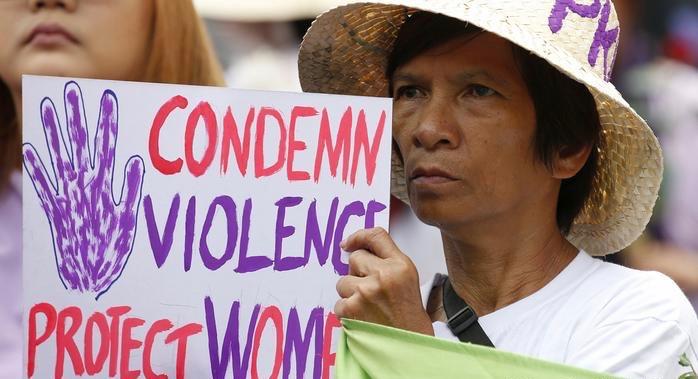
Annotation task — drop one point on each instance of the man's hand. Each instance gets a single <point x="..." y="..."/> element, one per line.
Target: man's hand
<point x="382" y="286"/>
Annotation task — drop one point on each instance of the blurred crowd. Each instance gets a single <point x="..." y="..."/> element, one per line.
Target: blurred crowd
<point x="657" y="72"/>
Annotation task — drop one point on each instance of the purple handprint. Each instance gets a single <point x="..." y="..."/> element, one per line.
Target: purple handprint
<point x="92" y="233"/>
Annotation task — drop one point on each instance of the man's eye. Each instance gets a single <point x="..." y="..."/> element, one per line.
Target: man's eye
<point x="408" y="92"/>
<point x="477" y="90"/>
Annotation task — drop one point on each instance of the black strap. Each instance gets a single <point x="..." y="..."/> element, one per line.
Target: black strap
<point x="462" y="320"/>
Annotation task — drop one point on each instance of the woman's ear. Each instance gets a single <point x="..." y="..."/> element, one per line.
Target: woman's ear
<point x="568" y="161"/>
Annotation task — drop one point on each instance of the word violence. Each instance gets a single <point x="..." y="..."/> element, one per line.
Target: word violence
<point x="323" y="242"/>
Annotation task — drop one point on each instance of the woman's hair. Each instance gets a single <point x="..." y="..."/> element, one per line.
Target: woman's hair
<point x="180" y="52"/>
<point x="10" y="137"/>
<point x="566" y="114"/>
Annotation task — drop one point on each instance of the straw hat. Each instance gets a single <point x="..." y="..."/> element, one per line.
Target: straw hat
<point x="346" y="49"/>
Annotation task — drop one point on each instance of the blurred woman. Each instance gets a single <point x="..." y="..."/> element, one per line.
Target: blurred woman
<point x="154" y="41"/>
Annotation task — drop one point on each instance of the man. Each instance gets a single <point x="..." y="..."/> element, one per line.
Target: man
<point x="510" y="140"/>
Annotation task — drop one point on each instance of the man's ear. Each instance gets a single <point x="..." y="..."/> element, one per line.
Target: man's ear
<point x="568" y="161"/>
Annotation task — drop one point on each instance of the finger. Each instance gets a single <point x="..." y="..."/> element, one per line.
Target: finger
<point x="60" y="161"/>
<point x="347" y="285"/>
<point x="133" y="183"/>
<point x="376" y="240"/>
<point x="105" y="141"/>
<point x="347" y="307"/>
<point x="39" y="176"/>
<point x="77" y="125"/>
<point x="362" y="262"/>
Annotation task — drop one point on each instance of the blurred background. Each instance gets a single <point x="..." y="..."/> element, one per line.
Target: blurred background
<point x="656" y="70"/>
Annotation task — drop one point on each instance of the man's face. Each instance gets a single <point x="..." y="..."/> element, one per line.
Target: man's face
<point x="464" y="122"/>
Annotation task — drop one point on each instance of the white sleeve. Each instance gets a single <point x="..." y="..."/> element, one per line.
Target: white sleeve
<point x="643" y="349"/>
<point x="649" y="331"/>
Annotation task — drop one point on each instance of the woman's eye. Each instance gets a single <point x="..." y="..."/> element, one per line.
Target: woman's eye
<point x="408" y="92"/>
<point x="477" y="90"/>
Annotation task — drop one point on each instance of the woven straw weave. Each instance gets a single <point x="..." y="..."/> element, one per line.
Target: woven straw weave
<point x="346" y="49"/>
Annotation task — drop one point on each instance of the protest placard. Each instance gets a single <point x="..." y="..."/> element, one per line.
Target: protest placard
<point x="182" y="231"/>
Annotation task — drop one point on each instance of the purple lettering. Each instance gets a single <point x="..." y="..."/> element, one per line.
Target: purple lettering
<point x="301" y="344"/>
<point x="228" y="205"/>
<point x="312" y="232"/>
<point x="560" y="12"/>
<point x="251" y="263"/>
<point x="283" y="231"/>
<point x="372" y="208"/>
<point x="603" y="38"/>
<point x="190" y="223"/>
<point x="161" y="246"/>
<point x="355" y="208"/>
<point x="230" y="350"/>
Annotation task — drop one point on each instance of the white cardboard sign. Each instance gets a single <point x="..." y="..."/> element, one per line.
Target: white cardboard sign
<point x="182" y="231"/>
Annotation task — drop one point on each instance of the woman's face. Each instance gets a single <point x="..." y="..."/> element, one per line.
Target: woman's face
<point x="81" y="38"/>
<point x="464" y="122"/>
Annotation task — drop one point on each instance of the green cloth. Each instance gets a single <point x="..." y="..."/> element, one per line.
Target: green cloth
<point x="371" y="351"/>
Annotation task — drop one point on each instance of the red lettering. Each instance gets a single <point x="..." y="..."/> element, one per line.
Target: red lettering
<point x="103" y="339"/>
<point x="163" y="165"/>
<point x="274" y="314"/>
<point x="203" y="110"/>
<point x="66" y="343"/>
<point x="33" y="342"/>
<point x="260" y="170"/>
<point x="158" y="326"/>
<point x="370" y="152"/>
<point x="128" y="344"/>
<point x="327" y="357"/>
<point x="232" y="136"/>
<point x="333" y="143"/>
<point x="115" y="313"/>
<point x="181" y="335"/>
<point x="334" y="151"/>
<point x="92" y="365"/>
<point x="294" y="145"/>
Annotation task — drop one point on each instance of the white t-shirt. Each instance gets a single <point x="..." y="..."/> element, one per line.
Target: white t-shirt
<point x="599" y="316"/>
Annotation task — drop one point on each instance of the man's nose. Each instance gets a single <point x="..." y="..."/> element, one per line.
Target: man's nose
<point x="437" y="126"/>
<point x="68" y="5"/>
